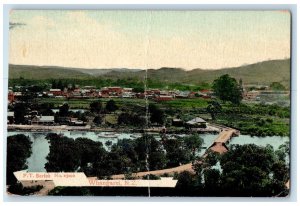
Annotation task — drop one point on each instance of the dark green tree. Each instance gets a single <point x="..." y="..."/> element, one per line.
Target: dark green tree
<point x="228" y="89"/>
<point x="18" y="150"/>
<point x="98" y="120"/>
<point x="247" y="169"/>
<point x="64" y="110"/>
<point x="193" y="143"/>
<point x="19" y="113"/>
<point x="138" y="89"/>
<point x="62" y="156"/>
<point x="96" y="107"/>
<point x="213" y="109"/>
<point x="89" y="152"/>
<point x="156" y="114"/>
<point x="147" y="144"/>
<point x="177" y="153"/>
<point x="111" y="106"/>
<point x="277" y="86"/>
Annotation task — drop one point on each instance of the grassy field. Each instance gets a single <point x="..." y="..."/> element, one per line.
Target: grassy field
<point x="85" y="103"/>
<point x="186" y="103"/>
<point x="258" y="120"/>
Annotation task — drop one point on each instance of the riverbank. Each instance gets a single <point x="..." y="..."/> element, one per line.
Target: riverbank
<point x="88" y="128"/>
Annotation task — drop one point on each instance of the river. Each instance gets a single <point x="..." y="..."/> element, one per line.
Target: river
<point x="40" y="146"/>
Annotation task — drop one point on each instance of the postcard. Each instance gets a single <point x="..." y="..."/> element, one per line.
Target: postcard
<point x="149" y="103"/>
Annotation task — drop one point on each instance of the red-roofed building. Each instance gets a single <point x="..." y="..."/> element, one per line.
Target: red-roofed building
<point x="11" y="97"/>
<point x="163" y="98"/>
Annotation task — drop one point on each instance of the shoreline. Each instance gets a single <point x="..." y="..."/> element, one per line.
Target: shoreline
<point x="65" y="128"/>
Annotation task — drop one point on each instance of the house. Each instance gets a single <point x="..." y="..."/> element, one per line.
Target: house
<point x="89" y="87"/>
<point x="10" y="117"/>
<point x="152" y="92"/>
<point x="111" y="91"/>
<point x="44" y="120"/>
<point x="63" y="120"/>
<point x="163" y="98"/>
<point x="177" y="122"/>
<point x="182" y="94"/>
<point x="205" y="93"/>
<point x="128" y="95"/>
<point x="197" y="122"/>
<point x="76" y="122"/>
<point x="115" y="91"/>
<point x="11" y="97"/>
<point x="127" y="90"/>
<point x="17" y="96"/>
<point x="192" y="94"/>
<point x="251" y="95"/>
<point x="56" y="92"/>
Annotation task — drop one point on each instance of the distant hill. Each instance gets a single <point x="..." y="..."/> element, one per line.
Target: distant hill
<point x="99" y="72"/>
<point x="44" y="72"/>
<point x="258" y="73"/>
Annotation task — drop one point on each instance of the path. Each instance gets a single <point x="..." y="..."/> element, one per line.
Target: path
<point x="186" y="167"/>
<point x="218" y="146"/>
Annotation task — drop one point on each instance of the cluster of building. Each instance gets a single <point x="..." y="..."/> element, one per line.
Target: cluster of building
<point x="265" y="95"/>
<point x="33" y="118"/>
<point x="115" y="92"/>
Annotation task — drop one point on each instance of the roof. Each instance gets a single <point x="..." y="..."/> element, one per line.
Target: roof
<point x="165" y="96"/>
<point x="55" y="90"/>
<point x="46" y="118"/>
<point x="196" y="120"/>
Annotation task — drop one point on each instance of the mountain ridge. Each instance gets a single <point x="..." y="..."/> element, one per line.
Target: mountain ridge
<point x="266" y="71"/>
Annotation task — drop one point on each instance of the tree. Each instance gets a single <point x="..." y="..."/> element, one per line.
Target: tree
<point x="247" y="171"/>
<point x="96" y="107"/>
<point x="98" y="120"/>
<point x="177" y="153"/>
<point x="19" y="113"/>
<point x="62" y="157"/>
<point x="213" y="108"/>
<point x="156" y="114"/>
<point x="138" y="89"/>
<point x="46" y="109"/>
<point x="228" y="89"/>
<point x="18" y="150"/>
<point x="193" y="143"/>
<point x="131" y="119"/>
<point x="212" y="180"/>
<point x="64" y="110"/>
<point x="89" y="152"/>
<point x="277" y="86"/>
<point x="111" y="106"/>
<point x="148" y="145"/>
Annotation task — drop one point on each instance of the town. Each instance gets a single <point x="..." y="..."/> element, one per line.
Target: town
<point x="111" y="108"/>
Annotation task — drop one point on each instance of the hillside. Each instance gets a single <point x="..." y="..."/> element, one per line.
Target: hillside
<point x="260" y="73"/>
<point x="44" y="72"/>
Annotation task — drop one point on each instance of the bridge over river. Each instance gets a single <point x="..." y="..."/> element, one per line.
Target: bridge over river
<point x="219" y="146"/>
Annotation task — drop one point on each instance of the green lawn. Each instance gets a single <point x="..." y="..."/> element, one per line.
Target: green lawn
<point x="186" y="103"/>
<point x="85" y="103"/>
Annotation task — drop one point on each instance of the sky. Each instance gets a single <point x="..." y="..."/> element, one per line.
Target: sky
<point x="147" y="39"/>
